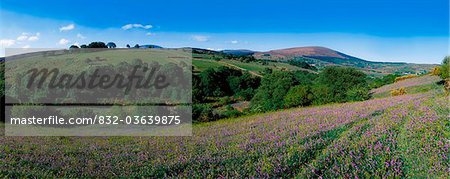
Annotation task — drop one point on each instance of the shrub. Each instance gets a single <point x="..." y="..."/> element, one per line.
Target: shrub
<point x="333" y="83"/>
<point x="447" y="86"/>
<point x="230" y="112"/>
<point x="225" y="81"/>
<point x="399" y="91"/>
<point x="404" y="77"/>
<point x="378" y="82"/>
<point x="322" y="94"/>
<point x="436" y="71"/>
<point x="274" y="87"/>
<point x="445" y="68"/>
<point x="301" y="64"/>
<point x="203" y="113"/>
<point x="358" y="94"/>
<point x="299" y="95"/>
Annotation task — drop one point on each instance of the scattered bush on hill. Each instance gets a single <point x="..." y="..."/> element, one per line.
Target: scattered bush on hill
<point x="299" y="95"/>
<point x="445" y="73"/>
<point x="445" y="68"/>
<point x="224" y="81"/>
<point x="404" y="77"/>
<point x="203" y="113"/>
<point x="274" y="87"/>
<point x="301" y="64"/>
<point x="333" y="85"/>
<point x="358" y="94"/>
<point x="379" y="82"/>
<point x="436" y="71"/>
<point x="399" y="91"/>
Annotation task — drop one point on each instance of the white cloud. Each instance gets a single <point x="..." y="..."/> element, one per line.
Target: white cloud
<point x="200" y="38"/>
<point x="80" y="36"/>
<point x="26" y="46"/>
<point x="34" y="37"/>
<point x="22" y="37"/>
<point x="149" y="34"/>
<point x="26" y="36"/>
<point x="234" y="41"/>
<point x="7" y="42"/>
<point x="214" y="49"/>
<point x="67" y="27"/>
<point x="63" y="41"/>
<point x="130" y="26"/>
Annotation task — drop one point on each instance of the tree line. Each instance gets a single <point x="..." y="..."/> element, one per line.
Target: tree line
<point x="276" y="89"/>
<point x="101" y="45"/>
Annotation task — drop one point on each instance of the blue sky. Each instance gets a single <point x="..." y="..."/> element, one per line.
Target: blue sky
<point x="377" y="30"/>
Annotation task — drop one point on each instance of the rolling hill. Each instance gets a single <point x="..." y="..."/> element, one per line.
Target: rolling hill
<point x="239" y="52"/>
<point x="322" y="57"/>
<point x="313" y="51"/>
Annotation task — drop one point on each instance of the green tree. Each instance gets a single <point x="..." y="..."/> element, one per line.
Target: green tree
<point x="244" y="86"/>
<point x="337" y="81"/>
<point x="215" y="82"/>
<point x="97" y="45"/>
<point x="73" y="46"/>
<point x="111" y="45"/>
<point x="445" y="68"/>
<point x="358" y="94"/>
<point x="299" y="95"/>
<point x="198" y="94"/>
<point x="274" y="87"/>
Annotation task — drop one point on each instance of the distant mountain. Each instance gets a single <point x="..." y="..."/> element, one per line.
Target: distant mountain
<point x="239" y="52"/>
<point x="322" y="56"/>
<point x="300" y="51"/>
<point x="202" y="51"/>
<point x="315" y="54"/>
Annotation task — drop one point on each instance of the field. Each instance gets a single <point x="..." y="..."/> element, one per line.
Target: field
<point x="254" y="68"/>
<point x="407" y="83"/>
<point x="402" y="136"/>
<point x="66" y="60"/>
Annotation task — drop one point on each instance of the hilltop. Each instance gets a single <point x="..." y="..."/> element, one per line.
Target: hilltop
<point x="322" y="57"/>
<point x="313" y="51"/>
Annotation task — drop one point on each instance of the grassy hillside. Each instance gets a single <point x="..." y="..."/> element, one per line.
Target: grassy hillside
<point x="412" y="85"/>
<point x="65" y="60"/>
<point x="322" y="57"/>
<point x="402" y="136"/>
<point x="202" y="61"/>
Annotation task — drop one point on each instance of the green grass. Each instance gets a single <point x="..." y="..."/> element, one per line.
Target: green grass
<point x="76" y="62"/>
<point x="201" y="64"/>
<point x="391" y="137"/>
<point x="301" y="142"/>
<point x="412" y="90"/>
<point x="258" y="67"/>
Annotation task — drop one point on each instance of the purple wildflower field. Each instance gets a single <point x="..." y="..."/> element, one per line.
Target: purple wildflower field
<point x="389" y="137"/>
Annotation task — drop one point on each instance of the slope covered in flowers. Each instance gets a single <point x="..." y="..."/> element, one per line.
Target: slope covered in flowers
<point x="406" y="136"/>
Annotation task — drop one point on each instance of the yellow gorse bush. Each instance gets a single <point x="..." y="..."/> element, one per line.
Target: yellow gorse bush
<point x="399" y="91"/>
<point x="436" y="71"/>
<point x="404" y="77"/>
